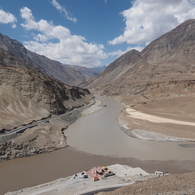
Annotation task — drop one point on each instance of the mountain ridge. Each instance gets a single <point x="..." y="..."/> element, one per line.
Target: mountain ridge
<point x="169" y="57"/>
<point x="50" y="67"/>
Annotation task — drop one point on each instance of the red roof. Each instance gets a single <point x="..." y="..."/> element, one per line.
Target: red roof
<point x="95" y="178"/>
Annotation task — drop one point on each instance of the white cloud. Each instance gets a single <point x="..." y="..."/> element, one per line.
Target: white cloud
<point x="67" y="48"/>
<point x="6" y="17"/>
<point x="148" y="19"/>
<point x="14" y="25"/>
<point x="63" y="11"/>
<point x="120" y="52"/>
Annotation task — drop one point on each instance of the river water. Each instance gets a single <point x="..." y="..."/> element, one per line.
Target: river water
<point x="96" y="140"/>
<point x="100" y="134"/>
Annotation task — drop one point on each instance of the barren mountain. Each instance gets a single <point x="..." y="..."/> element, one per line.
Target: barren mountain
<point x="159" y="80"/>
<point x="47" y="66"/>
<point x="168" y="60"/>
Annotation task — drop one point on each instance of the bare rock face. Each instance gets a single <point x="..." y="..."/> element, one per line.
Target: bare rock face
<point x="168" y="62"/>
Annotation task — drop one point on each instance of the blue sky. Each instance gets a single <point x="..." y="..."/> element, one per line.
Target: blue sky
<point x="90" y="33"/>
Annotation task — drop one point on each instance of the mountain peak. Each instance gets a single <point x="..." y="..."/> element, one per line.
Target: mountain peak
<point x="182" y="36"/>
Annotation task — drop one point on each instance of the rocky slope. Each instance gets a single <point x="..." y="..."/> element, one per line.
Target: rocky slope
<point x="27" y="95"/>
<point x="47" y="66"/>
<point x="171" y="184"/>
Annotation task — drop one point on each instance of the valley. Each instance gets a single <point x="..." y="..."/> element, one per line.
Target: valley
<point x="139" y="111"/>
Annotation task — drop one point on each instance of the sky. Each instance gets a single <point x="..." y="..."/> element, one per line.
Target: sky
<point x="90" y="33"/>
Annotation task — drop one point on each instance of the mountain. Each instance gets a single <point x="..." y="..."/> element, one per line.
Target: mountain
<point x="98" y="69"/>
<point x="164" y="68"/>
<point x="87" y="72"/>
<point x="28" y="95"/>
<point x="159" y="81"/>
<point x="47" y="66"/>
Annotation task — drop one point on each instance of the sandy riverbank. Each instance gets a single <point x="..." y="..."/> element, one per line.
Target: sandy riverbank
<point x="147" y="126"/>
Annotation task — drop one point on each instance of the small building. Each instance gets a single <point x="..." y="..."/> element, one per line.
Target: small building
<point x="95" y="178"/>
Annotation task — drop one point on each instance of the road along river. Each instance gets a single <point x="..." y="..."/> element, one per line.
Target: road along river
<point x="96" y="140"/>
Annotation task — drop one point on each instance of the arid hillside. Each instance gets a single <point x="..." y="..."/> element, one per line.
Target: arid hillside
<point x="165" y="67"/>
<point x="28" y="95"/>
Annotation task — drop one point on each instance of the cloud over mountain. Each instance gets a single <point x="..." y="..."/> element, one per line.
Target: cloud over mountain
<point x="148" y="19"/>
<point x="57" y="42"/>
<point x="6" y="18"/>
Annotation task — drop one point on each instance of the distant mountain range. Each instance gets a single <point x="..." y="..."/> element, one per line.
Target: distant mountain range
<point x="165" y="68"/>
<point x="98" y="69"/>
<point x="88" y="72"/>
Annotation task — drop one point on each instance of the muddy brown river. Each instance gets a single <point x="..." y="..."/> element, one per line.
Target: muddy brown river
<point x="96" y="140"/>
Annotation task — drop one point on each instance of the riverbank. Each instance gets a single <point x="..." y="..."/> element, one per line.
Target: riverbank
<point x="141" y="125"/>
<point x="96" y="106"/>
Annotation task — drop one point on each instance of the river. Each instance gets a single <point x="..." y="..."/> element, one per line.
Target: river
<point x="100" y="134"/>
<point x="96" y="140"/>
